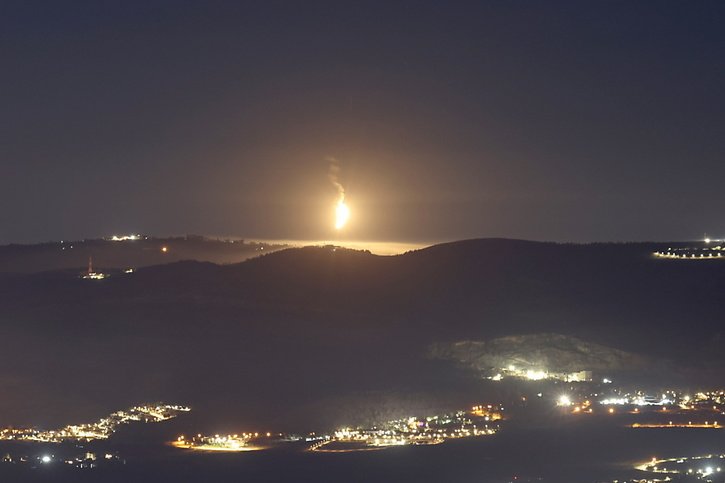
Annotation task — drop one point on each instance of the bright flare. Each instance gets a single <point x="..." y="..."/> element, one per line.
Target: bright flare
<point x="342" y="214"/>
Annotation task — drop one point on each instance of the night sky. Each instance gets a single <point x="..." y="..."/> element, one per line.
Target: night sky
<point x="541" y="120"/>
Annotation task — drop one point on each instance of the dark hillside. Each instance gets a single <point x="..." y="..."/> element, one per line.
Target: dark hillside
<point x="298" y="334"/>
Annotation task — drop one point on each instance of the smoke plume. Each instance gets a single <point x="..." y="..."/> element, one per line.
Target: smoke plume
<point x="333" y="174"/>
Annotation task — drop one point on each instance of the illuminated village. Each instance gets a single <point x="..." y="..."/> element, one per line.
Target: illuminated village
<point x="478" y="421"/>
<point x="697" y="468"/>
<point x="633" y="409"/>
<point x="101" y="429"/>
<point x="224" y="443"/>
<point x="669" y="409"/>
<point x="710" y="249"/>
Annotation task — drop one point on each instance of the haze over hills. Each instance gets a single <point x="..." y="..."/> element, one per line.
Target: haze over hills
<point x="130" y="251"/>
<point x="315" y="335"/>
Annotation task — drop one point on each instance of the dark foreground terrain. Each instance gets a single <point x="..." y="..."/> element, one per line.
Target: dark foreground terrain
<point x="317" y="337"/>
<point x="565" y="454"/>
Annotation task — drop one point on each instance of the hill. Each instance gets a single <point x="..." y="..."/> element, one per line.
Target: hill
<point x="531" y="355"/>
<point x="310" y="334"/>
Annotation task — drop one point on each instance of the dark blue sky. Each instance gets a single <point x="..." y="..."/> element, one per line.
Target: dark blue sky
<point x="542" y="120"/>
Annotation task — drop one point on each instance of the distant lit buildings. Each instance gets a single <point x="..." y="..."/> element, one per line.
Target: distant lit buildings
<point x="706" y="252"/>
<point x="101" y="429"/>
<point x="91" y="274"/>
<point x="225" y="443"/>
<point x="700" y="468"/>
<point x="69" y="458"/>
<point x="479" y="421"/>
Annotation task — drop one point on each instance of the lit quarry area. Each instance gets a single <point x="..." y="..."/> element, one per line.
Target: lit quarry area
<point x="538" y="374"/>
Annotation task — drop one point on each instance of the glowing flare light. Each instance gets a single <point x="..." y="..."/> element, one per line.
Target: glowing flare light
<point x="342" y="214"/>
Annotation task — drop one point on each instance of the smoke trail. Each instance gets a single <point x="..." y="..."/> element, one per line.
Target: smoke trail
<point x="333" y="174"/>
